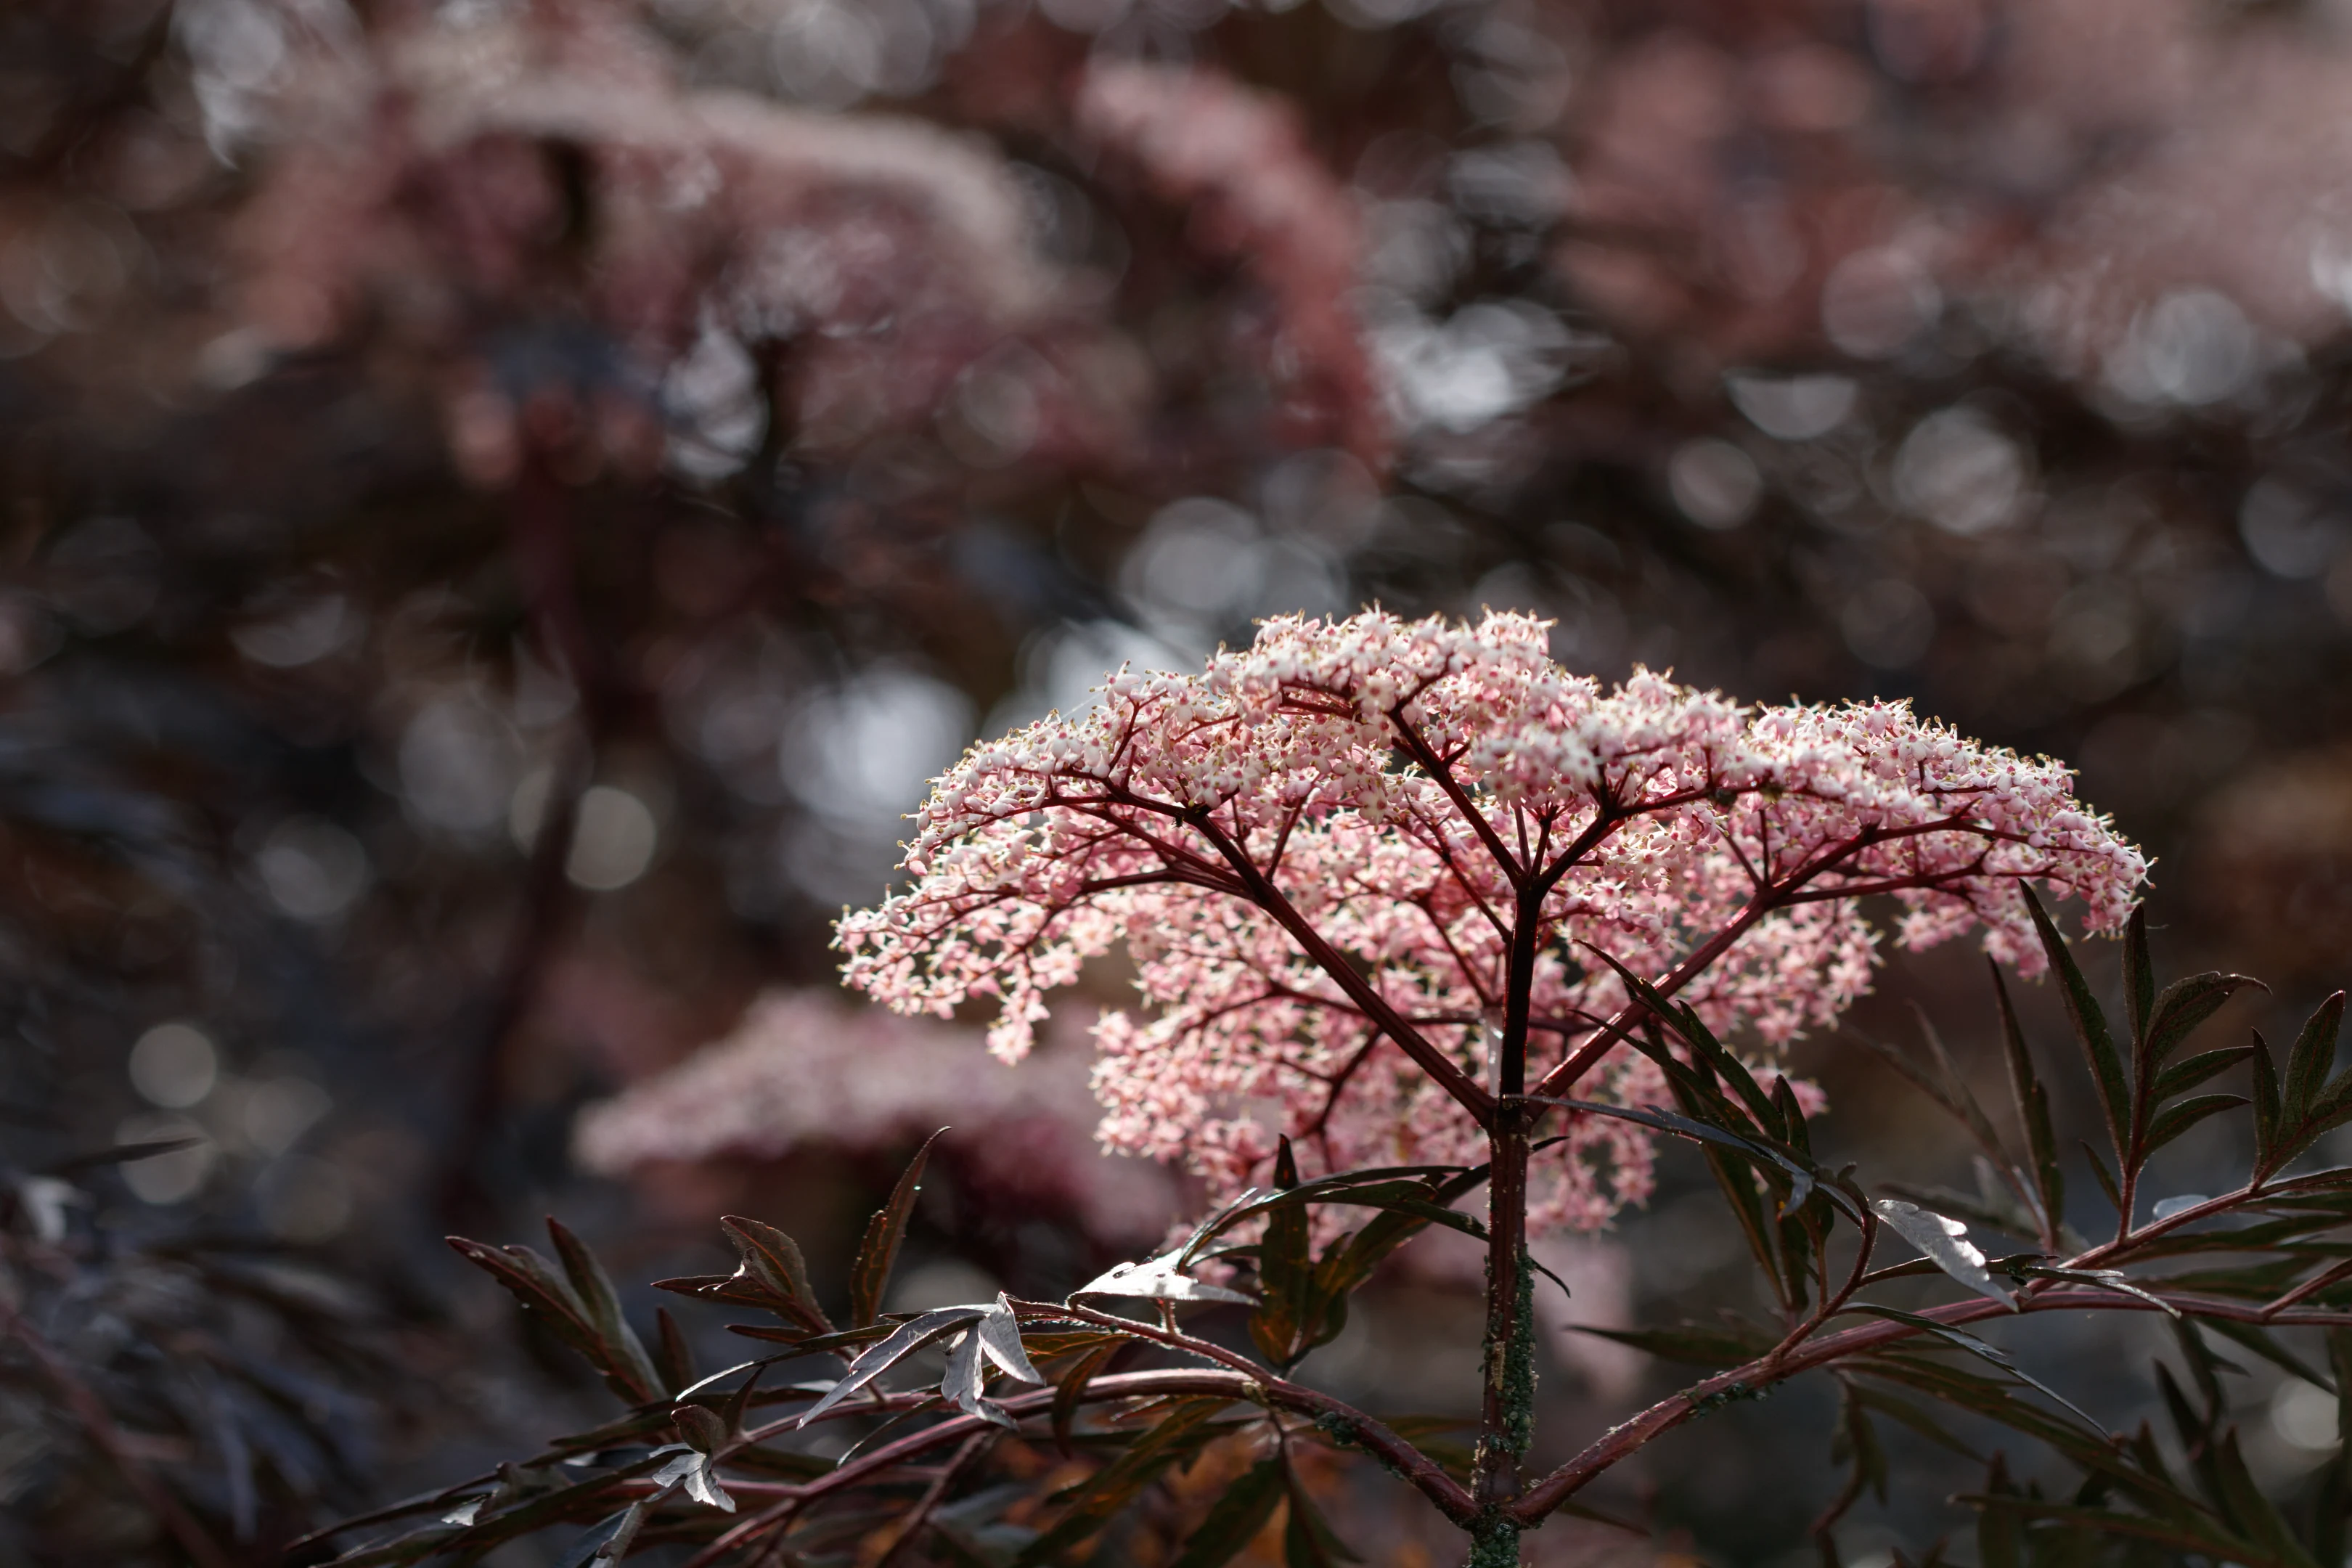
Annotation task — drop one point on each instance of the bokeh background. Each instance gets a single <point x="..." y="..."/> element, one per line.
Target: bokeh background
<point x="505" y="502"/>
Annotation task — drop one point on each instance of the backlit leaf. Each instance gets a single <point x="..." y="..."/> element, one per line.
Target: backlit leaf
<point x="869" y="1275"/>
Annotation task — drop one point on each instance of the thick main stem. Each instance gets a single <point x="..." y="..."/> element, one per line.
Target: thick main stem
<point x="1506" y="1405"/>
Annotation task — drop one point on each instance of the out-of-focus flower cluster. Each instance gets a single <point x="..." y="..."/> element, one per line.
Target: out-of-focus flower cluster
<point x="1388" y="795"/>
<point x="807" y="1070"/>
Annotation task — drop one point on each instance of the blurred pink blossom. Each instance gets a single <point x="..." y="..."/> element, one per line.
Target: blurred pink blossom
<point x="1239" y="158"/>
<point x="810" y="1068"/>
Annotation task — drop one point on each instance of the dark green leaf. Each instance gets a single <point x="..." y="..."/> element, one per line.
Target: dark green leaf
<point x="2205" y="1367"/>
<point x="1350" y="1262"/>
<point x="2177" y="1118"/>
<point x="2268" y="1127"/>
<point x="2185" y="1004"/>
<point x="869" y="1275"/>
<point x="1699" y="1345"/>
<point x="1705" y="1047"/>
<point x="2312" y="1059"/>
<point x="1236" y="1518"/>
<point x="2139" y="975"/>
<point x="1997" y="1401"/>
<point x="2187" y="1074"/>
<point x="1761" y="1150"/>
<point x="1792" y="1122"/>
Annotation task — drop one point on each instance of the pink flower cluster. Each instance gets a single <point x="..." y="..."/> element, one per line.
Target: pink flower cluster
<point x="1320" y="854"/>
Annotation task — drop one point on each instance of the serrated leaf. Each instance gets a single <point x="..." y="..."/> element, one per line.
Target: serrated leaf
<point x="540" y="1290"/>
<point x="624" y="1354"/>
<point x="2032" y="1105"/>
<point x="2185" y="1004"/>
<point x="2091" y="1031"/>
<point x="1234" y="1521"/>
<point x="773" y="1260"/>
<point x="1350" y="1260"/>
<point x="878" y="1255"/>
<point x="1945" y="1242"/>
<point x="581" y="1501"/>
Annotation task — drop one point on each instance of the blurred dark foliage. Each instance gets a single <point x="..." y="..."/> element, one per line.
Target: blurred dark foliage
<point x="506" y="501"/>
